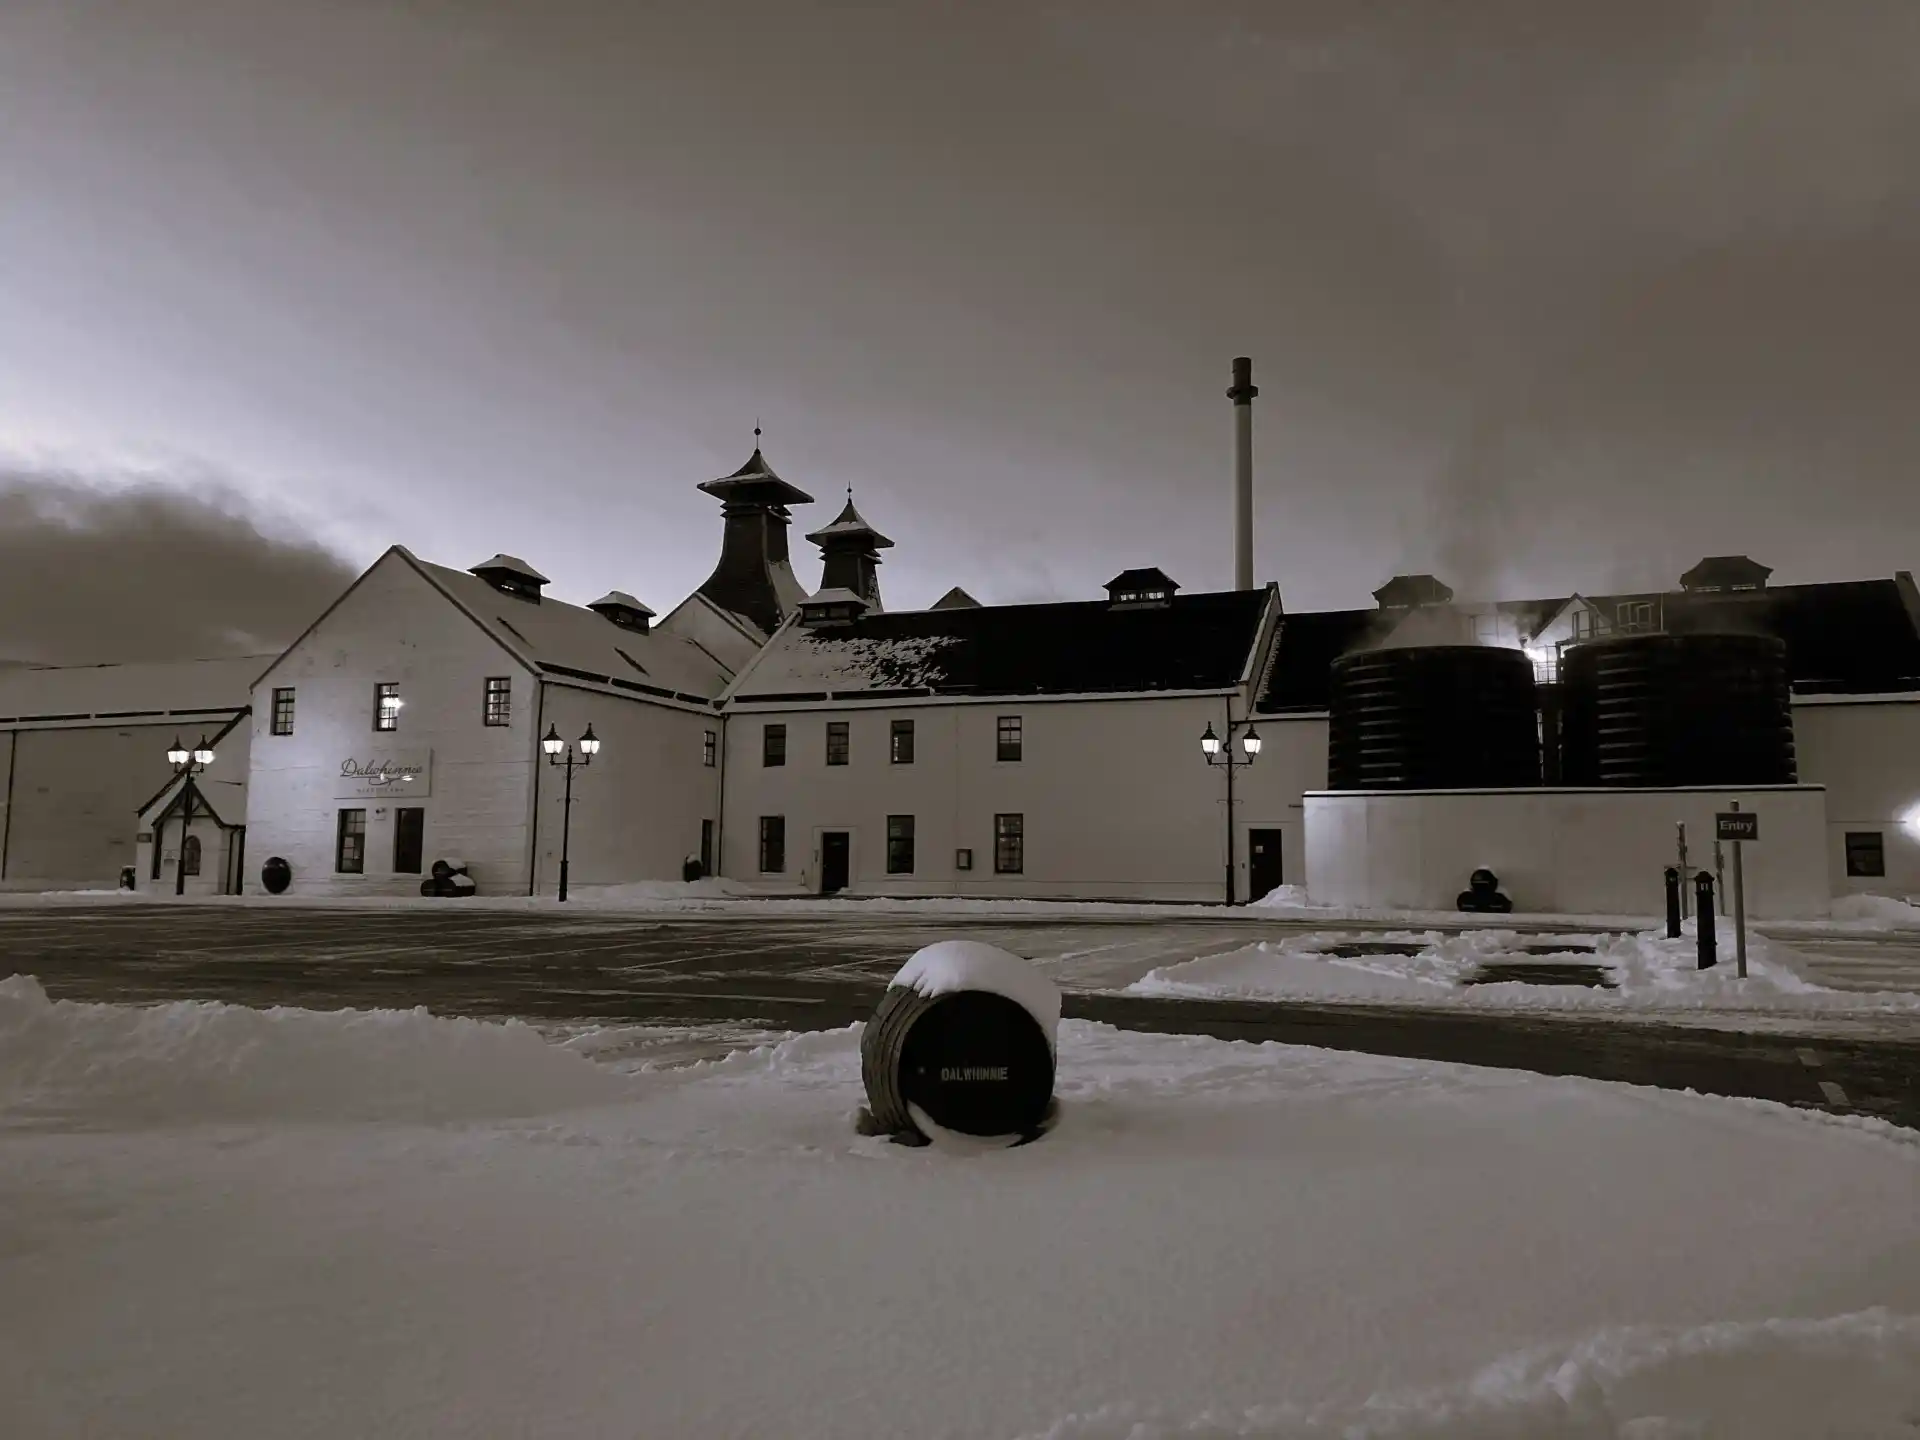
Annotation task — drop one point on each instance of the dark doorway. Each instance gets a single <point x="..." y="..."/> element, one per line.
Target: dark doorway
<point x="409" y="840"/>
<point x="1264" y="870"/>
<point x="835" y="847"/>
<point x="706" y="847"/>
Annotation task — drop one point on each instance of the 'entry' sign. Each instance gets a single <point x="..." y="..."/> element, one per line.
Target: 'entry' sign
<point x="1736" y="825"/>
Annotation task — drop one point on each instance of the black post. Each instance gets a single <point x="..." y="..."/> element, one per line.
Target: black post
<point x="1673" y="902"/>
<point x="566" y="823"/>
<point x="186" y="820"/>
<point x="1231" y="767"/>
<point x="1703" y="917"/>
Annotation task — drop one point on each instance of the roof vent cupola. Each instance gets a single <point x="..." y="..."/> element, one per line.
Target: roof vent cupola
<point x="623" y="610"/>
<point x="754" y="578"/>
<point x="850" y="555"/>
<point x="832" y="606"/>
<point x="1726" y="572"/>
<point x="511" y="575"/>
<point x="1404" y="592"/>
<point x="1137" y="589"/>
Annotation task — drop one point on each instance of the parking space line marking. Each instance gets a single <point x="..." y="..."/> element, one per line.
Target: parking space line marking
<point x="1808" y="1059"/>
<point x="1835" y="1095"/>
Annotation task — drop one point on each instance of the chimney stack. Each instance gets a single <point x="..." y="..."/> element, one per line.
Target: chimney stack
<point x="1242" y="395"/>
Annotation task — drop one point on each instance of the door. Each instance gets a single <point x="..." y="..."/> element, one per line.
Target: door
<point x="236" y="859"/>
<point x="409" y="839"/>
<point x="1264" y="871"/>
<point x="706" y="847"/>
<point x="835" y="847"/>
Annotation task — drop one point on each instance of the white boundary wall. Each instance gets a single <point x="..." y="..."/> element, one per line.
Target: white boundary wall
<point x="1560" y="851"/>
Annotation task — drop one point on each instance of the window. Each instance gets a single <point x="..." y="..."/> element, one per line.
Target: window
<point x="709" y="748"/>
<point x="1009" y="844"/>
<point x="499" y="709"/>
<point x="1866" y="854"/>
<point x="409" y="839"/>
<point x="283" y="710"/>
<point x="1007" y="738"/>
<point x="899" y="844"/>
<point x="190" y="855"/>
<point x="386" y="706"/>
<point x="900" y="742"/>
<point x="773" y="844"/>
<point x="350" y="843"/>
<point x="1635" y="615"/>
<point x="963" y="859"/>
<point x="838" y="742"/>
<point x="773" y="745"/>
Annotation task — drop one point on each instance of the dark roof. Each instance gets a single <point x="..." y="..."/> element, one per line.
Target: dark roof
<point x="1726" y="572"/>
<point x="1196" y="642"/>
<point x="1405" y="590"/>
<point x="955" y="599"/>
<point x="1854" y="637"/>
<point x="848" y="525"/>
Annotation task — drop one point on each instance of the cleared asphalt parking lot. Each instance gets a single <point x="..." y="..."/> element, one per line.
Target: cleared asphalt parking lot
<point x="787" y="971"/>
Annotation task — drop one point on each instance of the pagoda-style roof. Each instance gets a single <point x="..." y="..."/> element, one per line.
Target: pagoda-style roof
<point x="511" y="565"/>
<point x="1726" y="572"/>
<point x="756" y="481"/>
<point x="848" y="525"/>
<point x="1405" y="591"/>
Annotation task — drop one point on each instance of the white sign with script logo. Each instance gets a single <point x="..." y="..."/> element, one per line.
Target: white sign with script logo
<point x="399" y="777"/>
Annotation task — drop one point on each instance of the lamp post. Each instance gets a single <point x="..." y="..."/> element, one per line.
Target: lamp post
<point x="186" y="764"/>
<point x="568" y="753"/>
<point x="1220" y="752"/>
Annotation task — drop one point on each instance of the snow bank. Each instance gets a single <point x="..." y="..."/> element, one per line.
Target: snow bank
<point x="117" y="1066"/>
<point x="1852" y="1375"/>
<point x="1226" y="1236"/>
<point x="1648" y="972"/>
<point x="1881" y="911"/>
<point x="952" y="965"/>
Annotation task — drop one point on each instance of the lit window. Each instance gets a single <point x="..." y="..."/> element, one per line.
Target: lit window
<point x="283" y="710"/>
<point x="499" y="703"/>
<point x="386" y="706"/>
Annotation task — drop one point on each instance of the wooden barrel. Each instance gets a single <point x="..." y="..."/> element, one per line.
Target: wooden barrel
<point x="975" y="1062"/>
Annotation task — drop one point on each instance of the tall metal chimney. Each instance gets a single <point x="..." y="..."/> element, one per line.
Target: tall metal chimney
<point x="1242" y="395"/>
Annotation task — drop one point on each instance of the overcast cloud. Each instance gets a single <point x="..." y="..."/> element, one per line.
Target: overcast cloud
<point x="1540" y="296"/>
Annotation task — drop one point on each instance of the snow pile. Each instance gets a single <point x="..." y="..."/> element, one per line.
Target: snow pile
<point x="1853" y="1375"/>
<point x="953" y="965"/>
<point x="115" y="1066"/>
<point x="1284" y="897"/>
<point x="1882" y="912"/>
<point x="1217" y="1237"/>
<point x="1647" y="971"/>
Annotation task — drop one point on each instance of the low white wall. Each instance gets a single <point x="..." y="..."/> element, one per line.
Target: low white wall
<point x="1562" y="851"/>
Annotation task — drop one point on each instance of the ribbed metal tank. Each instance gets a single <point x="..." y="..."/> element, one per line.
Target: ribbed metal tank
<point x="1658" y="710"/>
<point x="1433" y="717"/>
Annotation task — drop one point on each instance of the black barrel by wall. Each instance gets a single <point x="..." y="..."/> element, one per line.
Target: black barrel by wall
<point x="1659" y="710"/>
<point x="975" y="1062"/>
<point x="1434" y="717"/>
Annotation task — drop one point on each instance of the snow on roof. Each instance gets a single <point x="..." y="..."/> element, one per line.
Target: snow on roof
<point x="130" y="690"/>
<point x="849" y="522"/>
<point x="513" y="565"/>
<point x="834" y="595"/>
<point x="575" y="638"/>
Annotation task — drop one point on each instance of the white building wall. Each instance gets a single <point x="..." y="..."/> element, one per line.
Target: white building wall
<point x="1115" y="794"/>
<point x="1293" y="761"/>
<point x="393" y="626"/>
<point x="637" y="808"/>
<point x="1867" y="755"/>
<point x="1560" y="851"/>
<point x="223" y="785"/>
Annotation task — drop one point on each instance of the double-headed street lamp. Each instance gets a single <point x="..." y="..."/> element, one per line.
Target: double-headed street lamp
<point x="1220" y="753"/>
<point x="568" y="753"/>
<point x="186" y="764"/>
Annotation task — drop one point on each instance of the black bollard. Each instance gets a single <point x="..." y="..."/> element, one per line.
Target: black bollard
<point x="1703" y="916"/>
<point x="1673" y="902"/>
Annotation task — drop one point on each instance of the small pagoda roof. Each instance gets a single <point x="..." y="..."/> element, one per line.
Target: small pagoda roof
<point x="620" y="600"/>
<point x="756" y="480"/>
<point x="509" y="565"/>
<point x="848" y="525"/>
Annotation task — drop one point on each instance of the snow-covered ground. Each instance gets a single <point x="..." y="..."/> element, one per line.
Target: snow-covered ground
<point x="1647" y="971"/>
<point x="216" y="1221"/>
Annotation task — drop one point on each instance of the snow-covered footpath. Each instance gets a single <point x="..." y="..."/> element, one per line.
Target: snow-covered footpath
<point x="224" y="1222"/>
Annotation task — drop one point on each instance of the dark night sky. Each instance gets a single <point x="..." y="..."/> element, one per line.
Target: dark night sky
<point x="1541" y="296"/>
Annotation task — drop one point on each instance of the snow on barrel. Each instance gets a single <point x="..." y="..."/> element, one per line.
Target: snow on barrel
<point x="965" y="1033"/>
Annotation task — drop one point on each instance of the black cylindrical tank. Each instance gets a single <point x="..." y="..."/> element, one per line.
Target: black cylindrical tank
<point x="1433" y="717"/>
<point x="1659" y="710"/>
